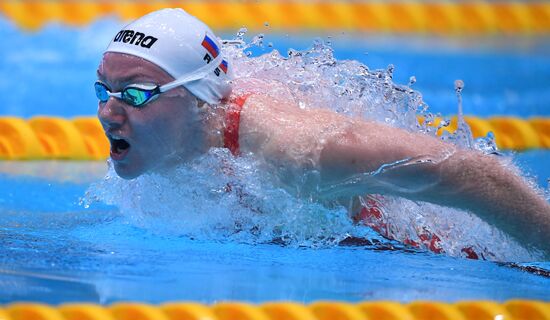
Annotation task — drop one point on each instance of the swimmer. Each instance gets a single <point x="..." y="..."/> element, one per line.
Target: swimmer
<point x="166" y="96"/>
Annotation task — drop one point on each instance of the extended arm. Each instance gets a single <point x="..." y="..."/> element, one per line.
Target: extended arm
<point x="354" y="157"/>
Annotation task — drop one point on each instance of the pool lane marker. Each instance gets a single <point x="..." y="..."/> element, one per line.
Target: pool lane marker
<point x="320" y="310"/>
<point x="42" y="137"/>
<point x="448" y="18"/>
<point x="82" y="138"/>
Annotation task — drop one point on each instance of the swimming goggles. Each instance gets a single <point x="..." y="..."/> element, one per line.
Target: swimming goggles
<point x="137" y="95"/>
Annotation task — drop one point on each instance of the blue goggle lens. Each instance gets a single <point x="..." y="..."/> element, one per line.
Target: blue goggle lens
<point x="137" y="97"/>
<point x="101" y="92"/>
<point x="133" y="96"/>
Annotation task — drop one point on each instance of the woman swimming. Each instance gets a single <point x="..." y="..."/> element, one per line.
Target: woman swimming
<point x="167" y="96"/>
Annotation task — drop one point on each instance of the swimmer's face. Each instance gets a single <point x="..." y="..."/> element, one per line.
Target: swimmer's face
<point x="159" y="134"/>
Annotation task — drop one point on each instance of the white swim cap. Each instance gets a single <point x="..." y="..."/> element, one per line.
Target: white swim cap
<point x="181" y="45"/>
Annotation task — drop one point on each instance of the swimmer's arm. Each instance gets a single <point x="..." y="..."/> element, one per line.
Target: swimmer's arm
<point x="498" y="194"/>
<point x="431" y="170"/>
<point x="354" y="157"/>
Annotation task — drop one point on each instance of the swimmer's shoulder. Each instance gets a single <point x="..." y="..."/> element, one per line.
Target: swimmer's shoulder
<point x="261" y="91"/>
<point x="259" y="100"/>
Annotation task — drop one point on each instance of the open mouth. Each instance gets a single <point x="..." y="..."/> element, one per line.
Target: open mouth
<point x="119" y="148"/>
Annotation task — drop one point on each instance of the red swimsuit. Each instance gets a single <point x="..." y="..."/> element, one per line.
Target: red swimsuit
<point x="232" y="121"/>
<point x="370" y="214"/>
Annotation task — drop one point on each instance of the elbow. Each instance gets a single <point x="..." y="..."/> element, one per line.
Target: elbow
<point x="379" y="164"/>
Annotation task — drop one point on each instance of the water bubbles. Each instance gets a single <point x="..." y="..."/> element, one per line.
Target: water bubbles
<point x="423" y="107"/>
<point x="443" y="124"/>
<point x="463" y="136"/>
<point x="487" y="144"/>
<point x="459" y="85"/>
<point x="315" y="77"/>
<point x="412" y="80"/>
<point x="389" y="71"/>
<point x="266" y="24"/>
<point x="257" y="40"/>
<point x="294" y="53"/>
<point x="233" y="42"/>
<point x="220" y="198"/>
<point x="241" y="33"/>
<point x="318" y="44"/>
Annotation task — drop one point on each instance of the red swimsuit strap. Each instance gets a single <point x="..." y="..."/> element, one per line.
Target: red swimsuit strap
<point x="232" y="121"/>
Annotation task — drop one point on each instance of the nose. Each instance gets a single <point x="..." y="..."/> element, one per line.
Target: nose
<point x="111" y="114"/>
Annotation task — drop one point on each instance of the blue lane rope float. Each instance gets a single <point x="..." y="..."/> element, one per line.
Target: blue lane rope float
<point x="322" y="310"/>
<point x="82" y="138"/>
<point x="525" y="18"/>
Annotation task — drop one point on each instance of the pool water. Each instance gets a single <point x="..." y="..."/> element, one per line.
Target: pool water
<point x="504" y="76"/>
<point x="54" y="248"/>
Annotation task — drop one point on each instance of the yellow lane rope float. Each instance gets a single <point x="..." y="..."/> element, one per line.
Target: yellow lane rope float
<point x="82" y="138"/>
<point x="433" y="17"/>
<point x="323" y="310"/>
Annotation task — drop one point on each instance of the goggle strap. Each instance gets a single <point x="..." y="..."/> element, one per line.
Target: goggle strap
<point x="198" y="74"/>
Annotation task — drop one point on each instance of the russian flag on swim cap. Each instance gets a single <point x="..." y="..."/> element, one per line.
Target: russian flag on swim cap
<point x="223" y="66"/>
<point x="211" y="46"/>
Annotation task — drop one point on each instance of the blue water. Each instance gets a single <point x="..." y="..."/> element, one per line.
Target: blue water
<point x="52" y="249"/>
<point x="502" y="76"/>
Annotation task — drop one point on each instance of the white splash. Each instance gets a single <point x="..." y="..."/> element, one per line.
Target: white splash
<point x="220" y="197"/>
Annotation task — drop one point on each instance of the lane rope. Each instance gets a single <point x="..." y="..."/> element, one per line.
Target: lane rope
<point x="525" y="18"/>
<point x="322" y="310"/>
<point x="82" y="138"/>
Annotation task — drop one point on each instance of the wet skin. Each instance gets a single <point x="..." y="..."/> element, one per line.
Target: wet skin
<point x="162" y="133"/>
